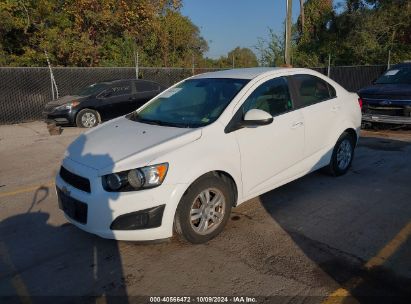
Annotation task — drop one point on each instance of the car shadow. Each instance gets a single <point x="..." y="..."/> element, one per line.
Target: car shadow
<point x="41" y="262"/>
<point x="352" y="226"/>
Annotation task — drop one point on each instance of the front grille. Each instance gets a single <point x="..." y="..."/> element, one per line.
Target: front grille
<point x="75" y="180"/>
<point x="74" y="209"/>
<point x="389" y="106"/>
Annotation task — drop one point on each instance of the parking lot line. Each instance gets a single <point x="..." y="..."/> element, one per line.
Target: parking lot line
<point x="16" y="280"/>
<point x="340" y="295"/>
<point x="25" y="189"/>
<point x="337" y="296"/>
<point x="390" y="248"/>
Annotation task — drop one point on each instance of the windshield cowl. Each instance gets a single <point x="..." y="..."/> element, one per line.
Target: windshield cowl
<point x="135" y="117"/>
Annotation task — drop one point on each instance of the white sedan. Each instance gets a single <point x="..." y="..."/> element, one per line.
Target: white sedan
<point x="207" y="144"/>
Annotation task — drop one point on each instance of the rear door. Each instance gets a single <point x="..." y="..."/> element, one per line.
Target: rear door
<point x="317" y="100"/>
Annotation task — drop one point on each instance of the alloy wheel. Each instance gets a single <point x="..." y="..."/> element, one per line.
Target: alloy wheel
<point x="88" y="120"/>
<point x="207" y="211"/>
<point x="344" y="154"/>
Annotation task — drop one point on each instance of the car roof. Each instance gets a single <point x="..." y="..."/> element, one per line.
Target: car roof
<point x="125" y="80"/>
<point x="405" y="64"/>
<point x="247" y="73"/>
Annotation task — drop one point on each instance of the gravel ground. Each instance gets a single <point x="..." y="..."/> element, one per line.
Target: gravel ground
<point x="313" y="240"/>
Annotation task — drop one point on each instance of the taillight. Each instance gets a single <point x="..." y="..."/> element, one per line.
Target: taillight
<point x="360" y="102"/>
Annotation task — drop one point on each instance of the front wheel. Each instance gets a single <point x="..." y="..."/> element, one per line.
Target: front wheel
<point x="87" y="118"/>
<point x="204" y="209"/>
<point x="343" y="155"/>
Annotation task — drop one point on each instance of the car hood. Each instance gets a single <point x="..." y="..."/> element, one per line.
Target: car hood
<point x="63" y="100"/>
<point x="387" y="89"/>
<point x="122" y="144"/>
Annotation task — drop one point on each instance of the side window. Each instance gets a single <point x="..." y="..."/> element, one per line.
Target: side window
<point x="117" y="90"/>
<point x="331" y="89"/>
<point x="311" y="89"/>
<point x="272" y="96"/>
<point x="146" y="86"/>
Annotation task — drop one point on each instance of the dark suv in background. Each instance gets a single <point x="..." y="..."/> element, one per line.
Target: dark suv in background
<point x="101" y="101"/>
<point x="388" y="100"/>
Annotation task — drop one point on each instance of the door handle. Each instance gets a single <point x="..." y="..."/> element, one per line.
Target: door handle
<point x="297" y="124"/>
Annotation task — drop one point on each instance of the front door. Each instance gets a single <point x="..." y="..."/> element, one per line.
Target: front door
<point x="270" y="154"/>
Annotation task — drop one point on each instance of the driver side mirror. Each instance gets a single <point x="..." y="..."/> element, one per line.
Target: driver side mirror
<point x="256" y="117"/>
<point x="252" y="118"/>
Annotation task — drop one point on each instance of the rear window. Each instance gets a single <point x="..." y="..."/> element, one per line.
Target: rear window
<point x="310" y="90"/>
<point x="396" y="76"/>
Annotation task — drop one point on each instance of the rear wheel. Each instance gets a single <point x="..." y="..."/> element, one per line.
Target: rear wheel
<point x="87" y="118"/>
<point x="343" y="155"/>
<point x="204" y="209"/>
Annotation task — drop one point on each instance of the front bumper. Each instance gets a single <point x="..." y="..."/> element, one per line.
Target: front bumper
<point x="388" y="119"/>
<point x="64" y="117"/>
<point x="106" y="209"/>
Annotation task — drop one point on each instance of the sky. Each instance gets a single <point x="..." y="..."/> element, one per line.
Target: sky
<point x="226" y="24"/>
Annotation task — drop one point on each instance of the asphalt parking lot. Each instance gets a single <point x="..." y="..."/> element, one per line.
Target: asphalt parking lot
<point x="316" y="240"/>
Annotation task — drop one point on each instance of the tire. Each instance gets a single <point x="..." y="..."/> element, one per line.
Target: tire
<point x="195" y="222"/>
<point x="87" y="118"/>
<point x="342" y="156"/>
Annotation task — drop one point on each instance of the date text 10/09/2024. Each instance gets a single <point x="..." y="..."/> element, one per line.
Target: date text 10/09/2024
<point x="203" y="299"/>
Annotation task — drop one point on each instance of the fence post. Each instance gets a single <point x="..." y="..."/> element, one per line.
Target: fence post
<point x="329" y="65"/>
<point x="52" y="80"/>
<point x="193" y="65"/>
<point x="389" y="60"/>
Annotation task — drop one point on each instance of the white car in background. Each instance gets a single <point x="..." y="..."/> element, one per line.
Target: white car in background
<point x="205" y="145"/>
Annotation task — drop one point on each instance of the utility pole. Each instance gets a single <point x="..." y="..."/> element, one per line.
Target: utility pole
<point x="288" y="21"/>
<point x="302" y="16"/>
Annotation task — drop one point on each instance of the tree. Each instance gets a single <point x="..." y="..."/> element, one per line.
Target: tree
<point x="96" y="32"/>
<point x="362" y="33"/>
<point x="271" y="50"/>
<point x="242" y="57"/>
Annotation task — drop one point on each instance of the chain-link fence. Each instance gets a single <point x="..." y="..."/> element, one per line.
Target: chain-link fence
<point x="25" y="91"/>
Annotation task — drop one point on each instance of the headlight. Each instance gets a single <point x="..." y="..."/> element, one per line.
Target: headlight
<point x="67" y="106"/>
<point x="135" y="179"/>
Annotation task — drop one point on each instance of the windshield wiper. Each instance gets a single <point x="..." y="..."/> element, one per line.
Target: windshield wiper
<point x="135" y="117"/>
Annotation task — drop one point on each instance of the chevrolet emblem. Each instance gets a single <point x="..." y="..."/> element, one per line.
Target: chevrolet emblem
<point x="65" y="190"/>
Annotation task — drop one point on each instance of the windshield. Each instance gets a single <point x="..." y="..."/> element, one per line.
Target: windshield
<point x="91" y="89"/>
<point x="395" y="76"/>
<point x="193" y="103"/>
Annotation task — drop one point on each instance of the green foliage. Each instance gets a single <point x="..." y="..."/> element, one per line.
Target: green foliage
<point x="240" y="57"/>
<point x="363" y="32"/>
<point x="271" y="50"/>
<point x="97" y="33"/>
